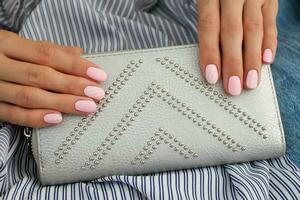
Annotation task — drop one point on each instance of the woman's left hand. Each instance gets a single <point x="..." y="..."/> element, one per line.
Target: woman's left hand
<point x="235" y="38"/>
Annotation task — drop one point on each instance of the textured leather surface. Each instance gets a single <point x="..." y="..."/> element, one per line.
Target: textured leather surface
<point x="159" y="114"/>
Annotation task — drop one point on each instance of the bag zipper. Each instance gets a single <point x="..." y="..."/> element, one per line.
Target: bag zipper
<point x="27" y="132"/>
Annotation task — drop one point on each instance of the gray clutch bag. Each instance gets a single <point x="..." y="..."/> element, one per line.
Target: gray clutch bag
<point x="159" y="114"/>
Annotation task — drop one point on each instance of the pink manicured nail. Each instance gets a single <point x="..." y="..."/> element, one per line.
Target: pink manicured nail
<point x="86" y="106"/>
<point x="268" y="56"/>
<point x="234" y="86"/>
<point x="96" y="74"/>
<point x="94" y="92"/>
<point x="211" y="73"/>
<point x="53" y="118"/>
<point x="252" y="79"/>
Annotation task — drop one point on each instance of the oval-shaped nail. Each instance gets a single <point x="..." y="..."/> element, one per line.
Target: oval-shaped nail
<point x="252" y="79"/>
<point x="211" y="74"/>
<point x="94" y="92"/>
<point x="268" y="56"/>
<point x="234" y="85"/>
<point x="86" y="106"/>
<point x="54" y="118"/>
<point x="96" y="74"/>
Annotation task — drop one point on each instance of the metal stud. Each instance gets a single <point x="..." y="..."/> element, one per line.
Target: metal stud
<point x="57" y="162"/>
<point x="186" y="156"/>
<point x="265" y="136"/>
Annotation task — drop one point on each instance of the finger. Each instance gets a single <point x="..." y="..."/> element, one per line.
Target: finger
<point x="48" y="79"/>
<point x="48" y="54"/>
<point x="30" y="97"/>
<point x="231" y="42"/>
<point x="35" y="118"/>
<point x="76" y="51"/>
<point x="208" y="32"/>
<point x="253" y="35"/>
<point x="269" y="11"/>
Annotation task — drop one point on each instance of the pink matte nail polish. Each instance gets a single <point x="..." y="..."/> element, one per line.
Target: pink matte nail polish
<point x="94" y="92"/>
<point x="53" y="118"/>
<point x="211" y="73"/>
<point x="96" y="74"/>
<point x="86" y="106"/>
<point x="234" y="85"/>
<point x="252" y="79"/>
<point x="268" y="56"/>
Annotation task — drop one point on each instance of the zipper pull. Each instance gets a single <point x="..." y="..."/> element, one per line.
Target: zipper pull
<point x="27" y="132"/>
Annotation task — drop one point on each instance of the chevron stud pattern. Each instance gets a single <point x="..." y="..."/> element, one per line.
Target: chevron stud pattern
<point x="86" y="122"/>
<point x="213" y="95"/>
<point x="161" y="136"/>
<point x="157" y="91"/>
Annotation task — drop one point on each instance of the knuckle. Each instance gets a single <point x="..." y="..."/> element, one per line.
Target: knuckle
<point x="30" y="118"/>
<point x="39" y="76"/>
<point x="208" y="22"/>
<point x="44" y="74"/>
<point x="70" y="85"/>
<point x="45" y="53"/>
<point x="233" y="61"/>
<point x="270" y="23"/>
<point x="78" y="50"/>
<point x="33" y="75"/>
<point x="210" y="53"/>
<point x="25" y="97"/>
<point x="73" y="85"/>
<point x="64" y="104"/>
<point x="253" y="26"/>
<point x="271" y="35"/>
<point x="253" y="59"/>
<point x="232" y="26"/>
<point x="77" y="65"/>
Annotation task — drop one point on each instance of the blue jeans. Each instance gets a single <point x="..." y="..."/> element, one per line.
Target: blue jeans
<point x="286" y="74"/>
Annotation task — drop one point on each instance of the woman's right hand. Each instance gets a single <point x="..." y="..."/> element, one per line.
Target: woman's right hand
<point x="39" y="81"/>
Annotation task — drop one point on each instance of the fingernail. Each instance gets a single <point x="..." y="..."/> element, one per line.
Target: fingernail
<point x="96" y="74"/>
<point x="211" y="73"/>
<point x="234" y="86"/>
<point x="268" y="56"/>
<point x="86" y="106"/>
<point x="53" y="118"/>
<point x="252" y="79"/>
<point x="94" y="92"/>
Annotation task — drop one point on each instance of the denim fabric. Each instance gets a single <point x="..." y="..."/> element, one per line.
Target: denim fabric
<point x="286" y="74"/>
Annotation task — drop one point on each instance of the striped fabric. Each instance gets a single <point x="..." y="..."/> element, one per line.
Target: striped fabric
<point x="13" y="12"/>
<point x="108" y="25"/>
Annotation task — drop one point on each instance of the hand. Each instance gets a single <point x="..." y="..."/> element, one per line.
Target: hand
<point x="40" y="80"/>
<point x="235" y="37"/>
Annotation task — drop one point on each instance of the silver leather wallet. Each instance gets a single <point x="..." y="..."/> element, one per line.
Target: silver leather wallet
<point x="159" y="114"/>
